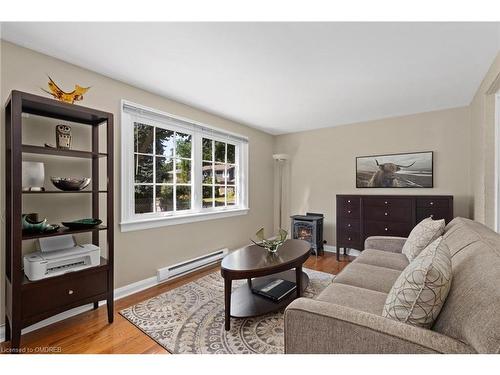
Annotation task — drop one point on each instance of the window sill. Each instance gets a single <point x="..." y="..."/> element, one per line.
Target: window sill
<point x="128" y="226"/>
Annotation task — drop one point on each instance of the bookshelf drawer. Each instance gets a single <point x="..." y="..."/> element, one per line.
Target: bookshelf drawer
<point x="55" y="293"/>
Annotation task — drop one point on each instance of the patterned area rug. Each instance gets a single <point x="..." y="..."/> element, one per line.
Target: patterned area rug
<point x="190" y="319"/>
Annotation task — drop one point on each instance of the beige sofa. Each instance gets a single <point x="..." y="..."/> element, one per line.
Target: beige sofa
<point x="346" y="316"/>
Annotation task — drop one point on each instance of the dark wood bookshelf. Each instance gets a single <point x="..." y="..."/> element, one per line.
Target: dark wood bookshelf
<point x="28" y="302"/>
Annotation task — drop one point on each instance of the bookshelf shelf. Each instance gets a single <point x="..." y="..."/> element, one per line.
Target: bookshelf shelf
<point x="30" y="149"/>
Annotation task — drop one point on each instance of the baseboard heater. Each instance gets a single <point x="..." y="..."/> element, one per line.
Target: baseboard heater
<point x="191" y="265"/>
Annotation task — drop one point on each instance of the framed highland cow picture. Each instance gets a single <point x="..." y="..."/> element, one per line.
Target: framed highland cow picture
<point x="411" y="170"/>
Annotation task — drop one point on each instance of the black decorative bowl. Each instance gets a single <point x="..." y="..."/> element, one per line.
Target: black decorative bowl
<point x="82" y="223"/>
<point x="70" y="183"/>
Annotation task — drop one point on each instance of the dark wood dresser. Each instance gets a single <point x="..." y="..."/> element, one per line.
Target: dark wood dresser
<point x="362" y="216"/>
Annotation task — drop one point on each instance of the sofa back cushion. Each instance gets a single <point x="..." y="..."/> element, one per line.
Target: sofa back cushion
<point x="422" y="235"/>
<point x="471" y="312"/>
<point x="419" y="292"/>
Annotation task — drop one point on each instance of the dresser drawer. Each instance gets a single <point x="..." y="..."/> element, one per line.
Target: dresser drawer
<point x="387" y="228"/>
<point x="387" y="202"/>
<point x="394" y="213"/>
<point x="55" y="293"/>
<point x="350" y="212"/>
<point x="348" y="201"/>
<point x="433" y="203"/>
<point x="349" y="206"/>
<point x="349" y="225"/>
<point x="347" y="239"/>
<point x="433" y="212"/>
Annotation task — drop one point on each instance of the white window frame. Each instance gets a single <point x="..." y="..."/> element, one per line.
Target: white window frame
<point x="237" y="160"/>
<point x="131" y="113"/>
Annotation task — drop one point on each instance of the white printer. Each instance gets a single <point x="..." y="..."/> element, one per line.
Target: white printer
<point x="59" y="255"/>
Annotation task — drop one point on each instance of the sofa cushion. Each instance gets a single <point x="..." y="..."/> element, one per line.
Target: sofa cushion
<point x="471" y="311"/>
<point x="381" y="258"/>
<point x="422" y="235"/>
<point x="390" y="244"/>
<point x="456" y="238"/>
<point x="361" y="299"/>
<point x="420" y="291"/>
<point x="367" y="276"/>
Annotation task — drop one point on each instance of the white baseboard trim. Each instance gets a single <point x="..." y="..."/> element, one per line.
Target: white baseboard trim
<point x="333" y="249"/>
<point x="136" y="287"/>
<point x="119" y="293"/>
<point x="330" y="248"/>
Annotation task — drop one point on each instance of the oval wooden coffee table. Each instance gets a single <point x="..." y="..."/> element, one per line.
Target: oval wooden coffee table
<point x="257" y="265"/>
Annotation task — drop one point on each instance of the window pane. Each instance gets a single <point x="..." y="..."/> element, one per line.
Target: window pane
<point x="164" y="198"/>
<point x="164" y="142"/>
<point x="231" y="153"/>
<point x="220" y="152"/>
<point x="183" y="197"/>
<point x="207" y="149"/>
<point x="207" y="171"/>
<point x="183" y="142"/>
<point x="208" y="198"/>
<point x="220" y="173"/>
<point x="143" y="168"/>
<point x="183" y="171"/>
<point x="143" y="199"/>
<point x="220" y="196"/>
<point x="231" y="174"/>
<point x="164" y="170"/>
<point x="143" y="138"/>
<point x="231" y="195"/>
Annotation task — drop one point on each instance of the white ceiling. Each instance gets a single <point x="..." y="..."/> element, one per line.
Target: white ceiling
<point x="282" y="77"/>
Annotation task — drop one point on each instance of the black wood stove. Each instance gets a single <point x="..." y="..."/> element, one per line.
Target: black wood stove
<point x="309" y="227"/>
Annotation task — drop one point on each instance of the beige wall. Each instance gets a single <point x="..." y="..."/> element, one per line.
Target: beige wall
<point x="323" y="161"/>
<point x="483" y="146"/>
<point x="139" y="254"/>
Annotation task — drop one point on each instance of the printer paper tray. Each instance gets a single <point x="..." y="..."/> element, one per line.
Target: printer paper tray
<point x="27" y="283"/>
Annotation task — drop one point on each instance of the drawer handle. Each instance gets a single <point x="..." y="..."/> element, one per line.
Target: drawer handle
<point x="349" y="238"/>
<point x="385" y="213"/>
<point x="70" y="292"/>
<point x="386" y="229"/>
<point x="348" y="225"/>
<point x="432" y="203"/>
<point x="432" y="215"/>
<point x="349" y="211"/>
<point x="385" y="202"/>
<point x="348" y="201"/>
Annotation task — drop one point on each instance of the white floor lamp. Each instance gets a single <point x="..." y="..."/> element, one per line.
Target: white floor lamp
<point x="281" y="159"/>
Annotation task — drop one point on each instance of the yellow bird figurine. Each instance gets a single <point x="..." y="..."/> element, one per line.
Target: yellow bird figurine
<point x="68" y="97"/>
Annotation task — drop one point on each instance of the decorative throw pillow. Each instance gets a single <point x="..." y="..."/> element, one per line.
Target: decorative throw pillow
<point x="422" y="235"/>
<point x="419" y="292"/>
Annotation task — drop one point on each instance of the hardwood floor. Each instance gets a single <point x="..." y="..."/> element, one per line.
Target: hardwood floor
<point x="90" y="332"/>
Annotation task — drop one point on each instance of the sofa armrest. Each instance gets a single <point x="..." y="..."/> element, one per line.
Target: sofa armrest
<point x="313" y="326"/>
<point x="386" y="243"/>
